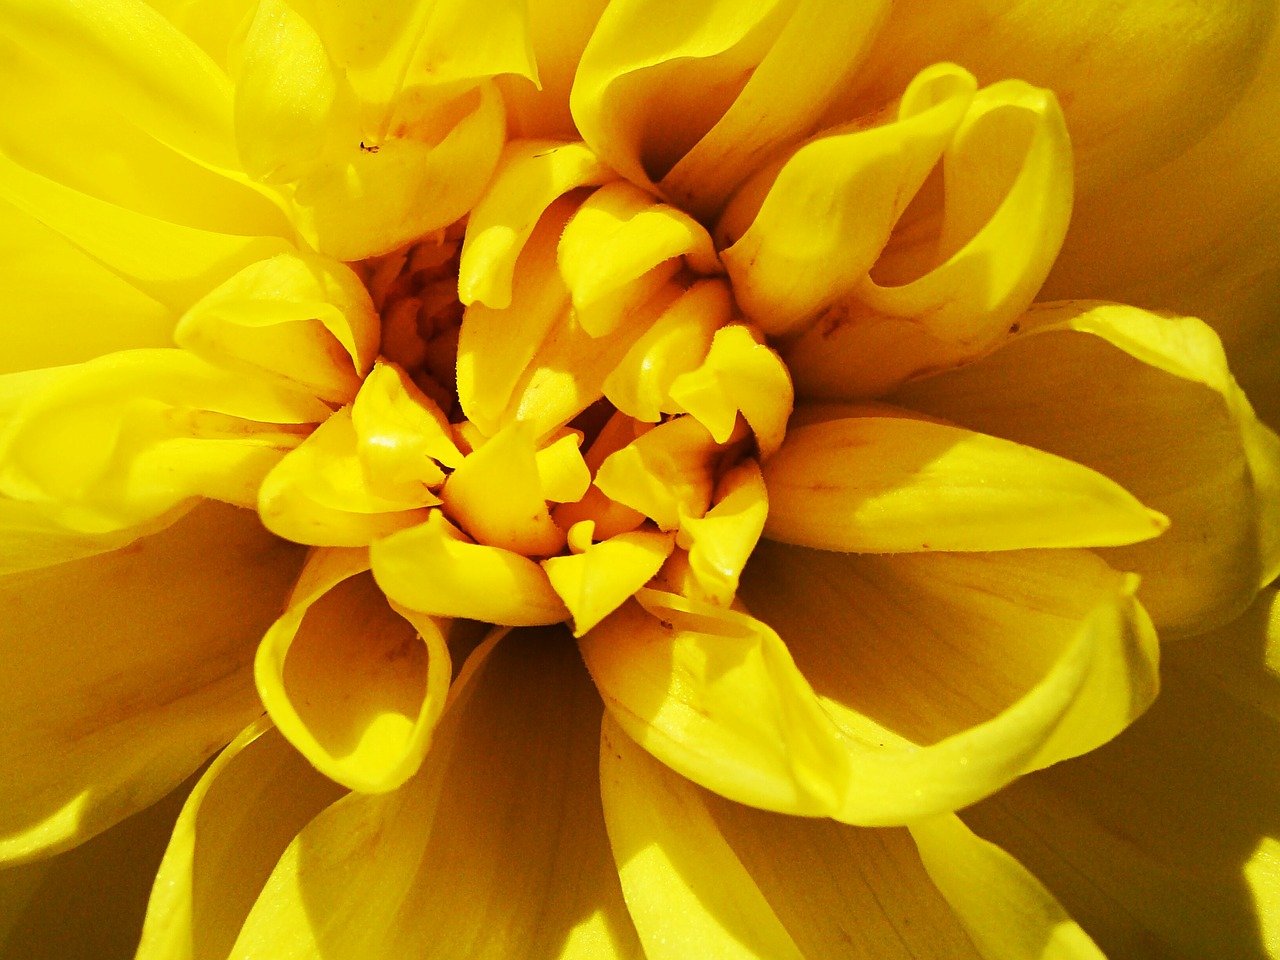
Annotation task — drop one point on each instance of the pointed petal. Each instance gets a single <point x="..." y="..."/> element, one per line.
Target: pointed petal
<point x="126" y="704"/>
<point x="1170" y="425"/>
<point x="254" y="798"/>
<point x="891" y="484"/>
<point x="1163" y="842"/>
<point x="497" y="849"/>
<point x="356" y="685"/>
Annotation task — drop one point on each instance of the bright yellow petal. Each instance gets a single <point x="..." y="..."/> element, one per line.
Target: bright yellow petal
<point x="496" y="849"/>
<point x="1178" y="434"/>
<point x="716" y="695"/>
<point x="152" y="664"/>
<point x="1162" y="843"/>
<point x="892" y="484"/>
<point x="354" y="684"/>
<point x="433" y="569"/>
<point x="255" y="796"/>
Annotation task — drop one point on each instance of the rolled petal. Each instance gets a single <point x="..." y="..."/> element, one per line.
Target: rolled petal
<point x="1171" y="426"/>
<point x="434" y="569"/>
<point x="1190" y="870"/>
<point x="251" y="802"/>
<point x="746" y="883"/>
<point x="497" y="847"/>
<point x="894" y="484"/>
<point x="716" y="695"/>
<point x="144" y="699"/>
<point x="354" y="684"/>
<point x="952" y="288"/>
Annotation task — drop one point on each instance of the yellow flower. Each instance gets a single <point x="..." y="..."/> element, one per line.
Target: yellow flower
<point x="696" y="344"/>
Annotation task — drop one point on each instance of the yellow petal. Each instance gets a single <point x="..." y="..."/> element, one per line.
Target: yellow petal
<point x="529" y="178"/>
<point x="104" y="882"/>
<point x="174" y="264"/>
<point x="721" y="542"/>
<point x="1191" y="870"/>
<point x="952" y="290"/>
<point x="305" y="317"/>
<point x="433" y="569"/>
<point x="84" y="309"/>
<point x="496" y="495"/>
<point x="128" y="54"/>
<point x="399" y="428"/>
<point x="497" y="848"/>
<point x="143" y="699"/>
<point x="891" y="484"/>
<point x="355" y="685"/>
<point x="665" y="473"/>
<point x="800" y="237"/>
<point x="700" y="96"/>
<point x="225" y="844"/>
<point x="1006" y="910"/>
<point x="1138" y="82"/>
<point x="739" y="374"/>
<point x="673" y="862"/>
<point x="746" y="883"/>
<point x="319" y="492"/>
<point x="123" y="439"/>
<point x="55" y="127"/>
<point x="715" y="694"/>
<point x="1148" y="401"/>
<point x="595" y="581"/>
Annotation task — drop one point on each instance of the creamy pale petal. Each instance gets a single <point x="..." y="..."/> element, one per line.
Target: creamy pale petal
<point x="121" y="440"/>
<point x="145" y="698"/>
<point x="172" y="263"/>
<point x="1170" y="425"/>
<point x="529" y="178"/>
<point x="1007" y="911"/>
<point x="497" y="849"/>
<point x="1162" y="843"/>
<point x="716" y="695"/>
<point x="251" y="802"/>
<point x="433" y="569"/>
<point x="801" y="236"/>
<point x="672" y="862"/>
<point x="61" y="306"/>
<point x="952" y="286"/>
<point x="1139" y="81"/>
<point x="126" y="53"/>
<point x="894" y="484"/>
<point x="355" y="684"/>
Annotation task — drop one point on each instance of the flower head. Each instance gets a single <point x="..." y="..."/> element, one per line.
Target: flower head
<point x="703" y="351"/>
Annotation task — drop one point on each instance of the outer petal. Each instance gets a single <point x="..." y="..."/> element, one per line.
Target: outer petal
<point x="88" y="902"/>
<point x="126" y="704"/>
<point x="716" y="695"/>
<point x="497" y="849"/>
<point x="1147" y="401"/>
<point x="1163" y="843"/>
<point x="255" y="796"/>
<point x="745" y="884"/>
<point x="1139" y="81"/>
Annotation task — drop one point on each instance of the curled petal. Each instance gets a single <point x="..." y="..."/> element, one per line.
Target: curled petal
<point x="355" y="685"/>
<point x="715" y="694"/>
